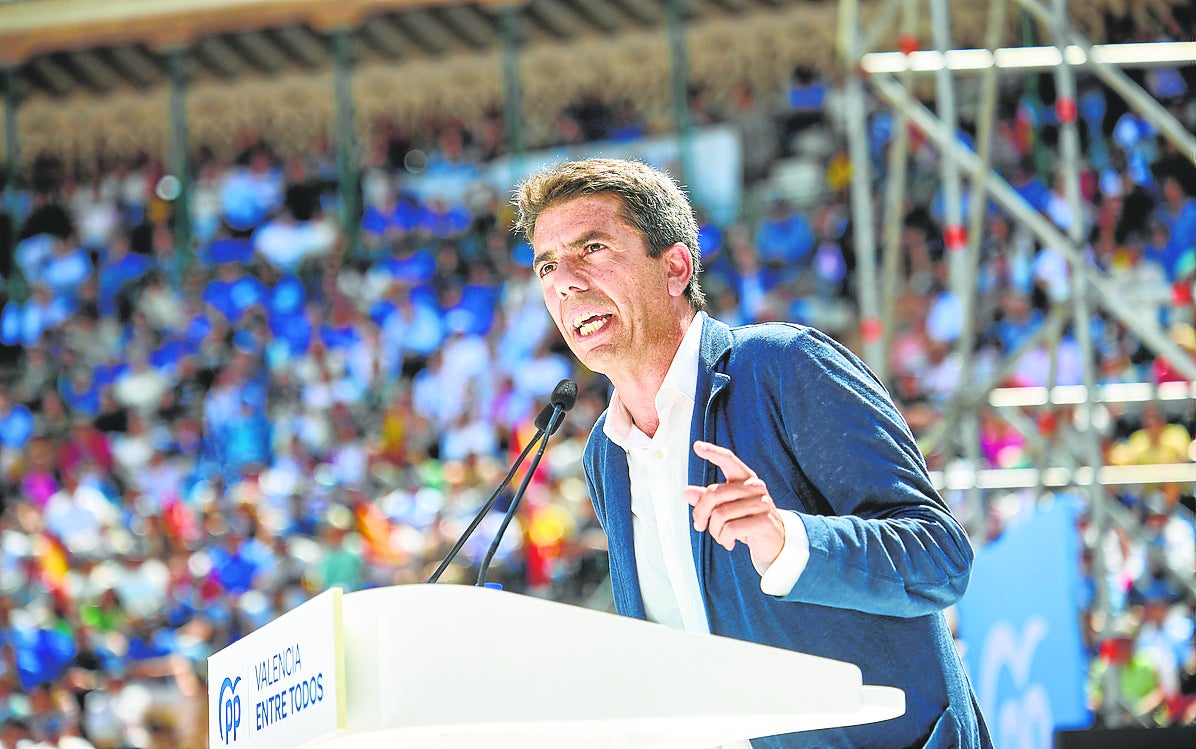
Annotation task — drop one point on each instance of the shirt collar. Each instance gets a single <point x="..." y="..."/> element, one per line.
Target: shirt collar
<point x="680" y="380"/>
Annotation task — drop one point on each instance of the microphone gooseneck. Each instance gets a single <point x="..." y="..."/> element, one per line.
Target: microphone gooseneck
<point x="564" y="395"/>
<point x="542" y="420"/>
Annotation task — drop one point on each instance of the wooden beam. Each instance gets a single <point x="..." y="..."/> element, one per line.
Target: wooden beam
<point x="600" y="16"/>
<point x="217" y="55"/>
<point x="262" y="51"/>
<point x="139" y="68"/>
<point x="58" y="80"/>
<point x="97" y="70"/>
<point x="645" y="13"/>
<point x="31" y="28"/>
<point x="560" y="19"/>
<point x="601" y="13"/>
<point x="535" y="24"/>
<point x="306" y="46"/>
<point x="383" y="36"/>
<point x="471" y="24"/>
<point x="427" y="31"/>
<point x="361" y="51"/>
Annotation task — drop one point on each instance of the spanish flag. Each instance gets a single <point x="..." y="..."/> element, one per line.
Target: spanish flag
<point x="53" y="559"/>
<point x="375" y="529"/>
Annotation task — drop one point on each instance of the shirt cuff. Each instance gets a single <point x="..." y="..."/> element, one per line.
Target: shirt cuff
<point x="782" y="574"/>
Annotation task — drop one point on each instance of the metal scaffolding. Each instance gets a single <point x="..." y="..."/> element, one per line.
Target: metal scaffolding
<point x="891" y="76"/>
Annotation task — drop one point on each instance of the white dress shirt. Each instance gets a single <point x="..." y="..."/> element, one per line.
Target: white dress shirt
<point x="661" y="520"/>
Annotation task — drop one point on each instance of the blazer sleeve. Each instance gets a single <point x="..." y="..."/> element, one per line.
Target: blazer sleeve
<point x="882" y="540"/>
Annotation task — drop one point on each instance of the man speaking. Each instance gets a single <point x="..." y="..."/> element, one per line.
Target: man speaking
<point x="753" y="482"/>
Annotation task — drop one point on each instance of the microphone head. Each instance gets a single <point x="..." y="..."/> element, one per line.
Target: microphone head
<point x="564" y="395"/>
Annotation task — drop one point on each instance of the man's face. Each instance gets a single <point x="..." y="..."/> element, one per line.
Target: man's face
<point x="615" y="306"/>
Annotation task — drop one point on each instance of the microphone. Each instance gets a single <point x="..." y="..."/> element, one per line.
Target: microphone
<point x="541" y="423"/>
<point x="543" y="420"/>
<point x="564" y="395"/>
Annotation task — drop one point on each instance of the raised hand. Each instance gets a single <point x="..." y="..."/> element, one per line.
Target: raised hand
<point x="739" y="509"/>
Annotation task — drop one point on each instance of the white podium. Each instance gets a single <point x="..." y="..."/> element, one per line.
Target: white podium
<point x="456" y="667"/>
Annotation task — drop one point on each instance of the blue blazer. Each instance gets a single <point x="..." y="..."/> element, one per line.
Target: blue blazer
<point x="886" y="554"/>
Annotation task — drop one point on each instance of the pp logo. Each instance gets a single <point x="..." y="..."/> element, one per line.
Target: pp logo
<point x="1021" y="717"/>
<point x="229" y="705"/>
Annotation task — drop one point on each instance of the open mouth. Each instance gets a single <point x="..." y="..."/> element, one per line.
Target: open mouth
<point x="590" y="324"/>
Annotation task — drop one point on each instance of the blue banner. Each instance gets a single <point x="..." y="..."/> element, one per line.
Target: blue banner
<point x="1019" y="625"/>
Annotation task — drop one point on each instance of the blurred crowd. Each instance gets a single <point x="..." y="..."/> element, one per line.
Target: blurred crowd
<point x="193" y="440"/>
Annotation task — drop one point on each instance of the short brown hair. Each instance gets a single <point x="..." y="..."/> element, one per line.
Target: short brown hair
<point x="652" y="203"/>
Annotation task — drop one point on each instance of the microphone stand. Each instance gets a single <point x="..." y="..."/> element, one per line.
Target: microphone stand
<point x="558" y="415"/>
<point x="540" y="437"/>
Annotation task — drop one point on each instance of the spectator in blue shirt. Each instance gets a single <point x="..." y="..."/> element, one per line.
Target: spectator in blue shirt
<point x="252" y="193"/>
<point x="66" y="269"/>
<point x="16" y="423"/>
<point x="287" y="319"/>
<point x="291" y="336"/>
<point x="247" y="439"/>
<point x="80" y="391"/>
<point x="233" y="292"/>
<point x="340" y="332"/>
<point x="716" y="259"/>
<point x="445" y="219"/>
<point x="288" y="296"/>
<point x="1137" y="138"/>
<point x="785" y="242"/>
<point x="472" y="304"/>
<point x="33" y="253"/>
<point x="229" y="250"/>
<point x="1177" y="211"/>
<point x="1029" y="186"/>
<point x="233" y="565"/>
<point x="410" y="331"/>
<point x="119" y="268"/>
<point x="409" y="264"/>
<point x="24" y="324"/>
<point x="1019" y="320"/>
<point x="386" y="224"/>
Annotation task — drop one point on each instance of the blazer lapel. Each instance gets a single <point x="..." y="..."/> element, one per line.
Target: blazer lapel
<point x="619" y="539"/>
<point x="616" y="489"/>
<point x="716" y="344"/>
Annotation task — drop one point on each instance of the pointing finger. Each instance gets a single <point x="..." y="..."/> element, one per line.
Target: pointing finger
<point x="734" y="469"/>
